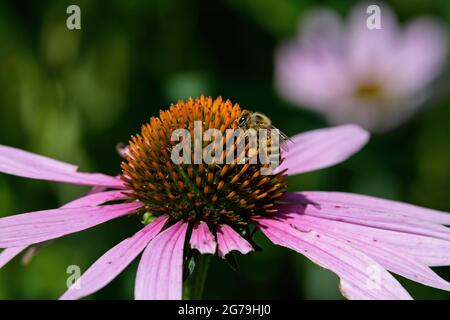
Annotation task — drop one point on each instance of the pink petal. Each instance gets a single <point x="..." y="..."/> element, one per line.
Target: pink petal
<point x="323" y="148"/>
<point x="360" y="204"/>
<point x="376" y="217"/>
<point x="33" y="251"/>
<point x="229" y="240"/>
<point x="202" y="239"/>
<point x="428" y="251"/>
<point x="8" y="254"/>
<point x="160" y="272"/>
<point x="307" y="67"/>
<point x="375" y="245"/>
<point x="371" y="51"/>
<point x="417" y="240"/>
<point x="34" y="227"/>
<point x="113" y="262"/>
<point x="422" y="53"/>
<point x="89" y="200"/>
<point x="95" y="199"/>
<point x="25" y="164"/>
<point x="355" y="269"/>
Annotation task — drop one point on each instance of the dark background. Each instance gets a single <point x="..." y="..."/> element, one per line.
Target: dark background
<point x="74" y="94"/>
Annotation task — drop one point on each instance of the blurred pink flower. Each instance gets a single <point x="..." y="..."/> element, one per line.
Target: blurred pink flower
<point x="360" y="238"/>
<point x="351" y="74"/>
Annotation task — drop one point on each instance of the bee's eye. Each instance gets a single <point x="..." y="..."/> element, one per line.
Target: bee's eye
<point x="241" y="120"/>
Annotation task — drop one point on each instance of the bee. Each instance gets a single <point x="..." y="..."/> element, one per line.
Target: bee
<point x="256" y="120"/>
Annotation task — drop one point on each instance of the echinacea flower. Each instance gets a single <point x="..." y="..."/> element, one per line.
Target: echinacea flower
<point x="209" y="208"/>
<point x="355" y="73"/>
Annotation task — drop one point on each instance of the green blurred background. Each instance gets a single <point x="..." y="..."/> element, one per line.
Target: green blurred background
<point x="73" y="95"/>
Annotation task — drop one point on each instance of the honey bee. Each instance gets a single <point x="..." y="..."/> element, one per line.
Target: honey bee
<point x="256" y="120"/>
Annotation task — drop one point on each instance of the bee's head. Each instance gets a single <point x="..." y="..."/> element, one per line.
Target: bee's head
<point x="244" y="117"/>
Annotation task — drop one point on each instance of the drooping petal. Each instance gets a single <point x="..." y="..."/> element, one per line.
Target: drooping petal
<point x="361" y="276"/>
<point x="202" y="239"/>
<point x="413" y="230"/>
<point x="323" y="148"/>
<point x="113" y="262"/>
<point x="95" y="199"/>
<point x="25" y="164"/>
<point x="160" y="271"/>
<point x="28" y="228"/>
<point x="377" y="207"/>
<point x="375" y="217"/>
<point x="8" y="254"/>
<point x="376" y="245"/>
<point x="229" y="240"/>
<point x="427" y="250"/>
<point x="89" y="200"/>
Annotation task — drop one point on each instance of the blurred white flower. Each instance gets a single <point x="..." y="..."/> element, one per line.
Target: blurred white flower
<point x="376" y="78"/>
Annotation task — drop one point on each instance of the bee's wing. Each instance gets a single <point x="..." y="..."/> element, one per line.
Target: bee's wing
<point x="284" y="139"/>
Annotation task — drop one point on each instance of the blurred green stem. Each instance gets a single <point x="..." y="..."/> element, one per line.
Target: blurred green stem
<point x="193" y="287"/>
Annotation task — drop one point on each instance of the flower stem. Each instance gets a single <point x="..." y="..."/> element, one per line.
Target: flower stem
<point x="194" y="285"/>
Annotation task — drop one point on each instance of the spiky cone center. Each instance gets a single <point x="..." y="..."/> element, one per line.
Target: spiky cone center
<point x="230" y="193"/>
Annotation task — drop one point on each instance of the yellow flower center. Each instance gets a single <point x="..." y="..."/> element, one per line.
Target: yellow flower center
<point x="230" y="193"/>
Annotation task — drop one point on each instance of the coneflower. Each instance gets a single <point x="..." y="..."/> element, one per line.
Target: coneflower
<point x="380" y="77"/>
<point x="189" y="210"/>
